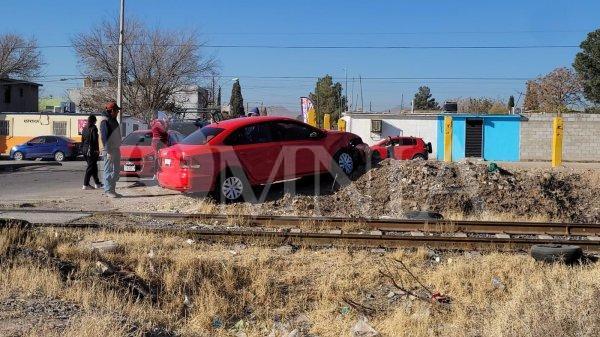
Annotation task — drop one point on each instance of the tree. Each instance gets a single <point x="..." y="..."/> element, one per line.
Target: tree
<point x="586" y="65"/>
<point x="328" y="99"/>
<point x="236" y="101"/>
<point x="531" y="102"/>
<point x="156" y="65"/>
<point x="424" y="101"/>
<point x="557" y="91"/>
<point x="511" y="102"/>
<point x="498" y="108"/>
<point x="19" y="57"/>
<point x="481" y="105"/>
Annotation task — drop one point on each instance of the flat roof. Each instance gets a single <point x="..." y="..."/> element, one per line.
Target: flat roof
<point x="5" y="81"/>
<point x="422" y="115"/>
<point x="49" y="113"/>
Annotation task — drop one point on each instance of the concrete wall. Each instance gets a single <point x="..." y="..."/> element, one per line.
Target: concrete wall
<point x="500" y="136"/>
<point x="27" y="102"/>
<point x="581" y="140"/>
<point x="417" y="125"/>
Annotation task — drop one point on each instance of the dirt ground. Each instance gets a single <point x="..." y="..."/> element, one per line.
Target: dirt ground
<point x="254" y="289"/>
<point x="463" y="190"/>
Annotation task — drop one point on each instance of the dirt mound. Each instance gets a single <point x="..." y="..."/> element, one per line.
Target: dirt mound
<point x="465" y="188"/>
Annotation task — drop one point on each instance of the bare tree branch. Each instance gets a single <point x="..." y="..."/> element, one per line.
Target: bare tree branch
<point x="19" y="58"/>
<point x="157" y="64"/>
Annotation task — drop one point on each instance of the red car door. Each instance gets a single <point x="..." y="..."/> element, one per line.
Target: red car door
<point x="258" y="153"/>
<point x="303" y="149"/>
<point x="405" y="148"/>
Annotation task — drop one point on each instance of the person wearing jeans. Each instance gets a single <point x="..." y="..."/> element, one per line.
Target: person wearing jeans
<point x="111" y="138"/>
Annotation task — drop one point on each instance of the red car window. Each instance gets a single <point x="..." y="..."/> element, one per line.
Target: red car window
<point x="251" y="134"/>
<point x="202" y="136"/>
<point x="138" y="139"/>
<point x="290" y="131"/>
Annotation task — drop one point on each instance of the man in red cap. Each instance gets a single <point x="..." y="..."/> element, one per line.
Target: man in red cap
<point x="111" y="138"/>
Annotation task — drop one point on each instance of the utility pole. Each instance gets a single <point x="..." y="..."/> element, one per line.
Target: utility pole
<point x="362" y="103"/>
<point x="120" y="62"/>
<point x="346" y="88"/>
<point x="402" y="102"/>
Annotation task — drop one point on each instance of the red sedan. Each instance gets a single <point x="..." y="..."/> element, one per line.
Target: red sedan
<point x="231" y="156"/>
<point x="399" y="147"/>
<point x="137" y="155"/>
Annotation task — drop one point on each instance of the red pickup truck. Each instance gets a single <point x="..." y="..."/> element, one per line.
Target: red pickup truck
<point x="399" y="147"/>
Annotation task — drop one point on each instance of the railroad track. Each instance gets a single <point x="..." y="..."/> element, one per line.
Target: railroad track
<point x="448" y="234"/>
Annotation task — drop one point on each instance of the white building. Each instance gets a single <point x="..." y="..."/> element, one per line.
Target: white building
<point x="366" y="125"/>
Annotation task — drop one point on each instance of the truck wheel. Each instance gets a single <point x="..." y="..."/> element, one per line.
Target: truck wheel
<point x="419" y="156"/>
<point x="567" y="254"/>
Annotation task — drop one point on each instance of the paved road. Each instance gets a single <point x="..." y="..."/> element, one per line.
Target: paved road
<point x="42" y="182"/>
<point x="48" y="182"/>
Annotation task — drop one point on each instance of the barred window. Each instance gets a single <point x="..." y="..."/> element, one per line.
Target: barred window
<point x="4" y="128"/>
<point x="59" y="128"/>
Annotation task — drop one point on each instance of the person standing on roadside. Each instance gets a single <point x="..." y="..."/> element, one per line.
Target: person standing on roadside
<point x="160" y="138"/>
<point x="91" y="152"/>
<point x="111" y="138"/>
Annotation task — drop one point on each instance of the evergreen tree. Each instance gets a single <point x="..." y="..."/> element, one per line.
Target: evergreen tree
<point x="586" y="65"/>
<point x="424" y="101"/>
<point x="328" y="99"/>
<point x="511" y="102"/>
<point x="237" y="101"/>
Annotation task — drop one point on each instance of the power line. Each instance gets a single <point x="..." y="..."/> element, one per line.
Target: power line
<point x="398" y="33"/>
<point x="373" y="78"/>
<point x="334" y="47"/>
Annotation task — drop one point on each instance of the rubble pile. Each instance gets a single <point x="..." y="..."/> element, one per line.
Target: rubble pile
<point x="465" y="188"/>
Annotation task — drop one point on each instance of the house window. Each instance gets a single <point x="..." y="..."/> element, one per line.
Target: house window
<point x="59" y="128"/>
<point x="4" y="128"/>
<point x="21" y="94"/>
<point x="7" y="94"/>
<point x="376" y="125"/>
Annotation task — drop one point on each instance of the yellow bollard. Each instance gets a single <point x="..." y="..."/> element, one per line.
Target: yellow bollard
<point x="312" y="117"/>
<point x="557" y="140"/>
<point x="447" y="139"/>
<point x="341" y="124"/>
<point x="327" y="121"/>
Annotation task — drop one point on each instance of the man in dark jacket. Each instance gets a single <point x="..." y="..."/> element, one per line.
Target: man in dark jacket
<point x="91" y="152"/>
<point x="111" y="138"/>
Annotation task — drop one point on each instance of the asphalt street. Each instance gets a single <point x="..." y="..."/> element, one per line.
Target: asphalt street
<point x="48" y="182"/>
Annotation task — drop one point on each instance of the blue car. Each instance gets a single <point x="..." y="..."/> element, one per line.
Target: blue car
<point x="55" y="147"/>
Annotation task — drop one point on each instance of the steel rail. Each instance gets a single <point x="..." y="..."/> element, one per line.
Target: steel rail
<point x="384" y="225"/>
<point x="338" y="238"/>
<point x="392" y="239"/>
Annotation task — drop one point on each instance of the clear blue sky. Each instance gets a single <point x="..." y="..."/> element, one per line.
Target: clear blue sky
<point x="345" y="23"/>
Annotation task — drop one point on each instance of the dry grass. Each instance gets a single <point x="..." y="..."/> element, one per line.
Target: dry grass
<point x="260" y="286"/>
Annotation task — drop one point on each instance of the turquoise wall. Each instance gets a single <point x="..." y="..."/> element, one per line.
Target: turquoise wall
<point x="501" y="136"/>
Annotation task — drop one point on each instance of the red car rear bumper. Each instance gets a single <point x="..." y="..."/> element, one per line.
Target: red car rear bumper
<point x="143" y="168"/>
<point x="185" y="181"/>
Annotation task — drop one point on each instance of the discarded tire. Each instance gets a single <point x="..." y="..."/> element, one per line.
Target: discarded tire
<point x="557" y="253"/>
<point x="423" y="215"/>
